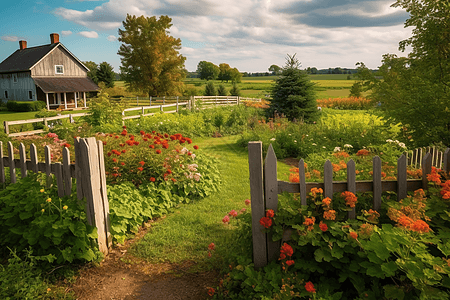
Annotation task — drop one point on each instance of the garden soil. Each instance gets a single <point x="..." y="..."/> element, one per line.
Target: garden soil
<point x="121" y="276"/>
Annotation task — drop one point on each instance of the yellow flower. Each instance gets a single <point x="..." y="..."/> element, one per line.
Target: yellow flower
<point x="42" y="210"/>
<point x="65" y="207"/>
<point x="49" y="200"/>
<point x="42" y="190"/>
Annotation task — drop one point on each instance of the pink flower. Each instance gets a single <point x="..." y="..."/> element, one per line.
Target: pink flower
<point x="212" y="246"/>
<point x="247" y="201"/>
<point x="226" y="219"/>
<point x="233" y="213"/>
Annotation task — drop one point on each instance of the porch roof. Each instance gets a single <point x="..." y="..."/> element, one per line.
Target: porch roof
<point x="66" y="84"/>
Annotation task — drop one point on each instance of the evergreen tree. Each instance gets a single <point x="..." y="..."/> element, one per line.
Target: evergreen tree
<point x="221" y="90"/>
<point x="210" y="89"/>
<point x="293" y="93"/>
<point x="235" y="91"/>
<point x="106" y="74"/>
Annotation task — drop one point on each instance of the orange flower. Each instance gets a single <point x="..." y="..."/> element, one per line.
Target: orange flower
<point x="373" y="215"/>
<point x="309" y="286"/>
<point x="329" y="214"/>
<point x="293" y="177"/>
<point x="323" y="226"/>
<point x="336" y="168"/>
<point x="326" y="202"/>
<point x="350" y="198"/>
<point x="420" y="226"/>
<point x="362" y="152"/>
<point x="353" y="235"/>
<point x="315" y="191"/>
<point x="405" y="221"/>
<point x="434" y="176"/>
<point x="309" y="221"/>
<point x="316" y="173"/>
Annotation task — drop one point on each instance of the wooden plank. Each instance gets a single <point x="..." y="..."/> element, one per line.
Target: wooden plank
<point x="18" y="122"/>
<point x="93" y="194"/>
<point x="2" y="166"/>
<point x="23" y="160"/>
<point x="426" y="169"/>
<point x="104" y="193"/>
<point x="34" y="158"/>
<point x="6" y="127"/>
<point x="271" y="196"/>
<point x="78" y="166"/>
<point x="446" y="163"/>
<point x="402" y="180"/>
<point x="257" y="203"/>
<point x="48" y="166"/>
<point x="302" y="182"/>
<point x="328" y="179"/>
<point x="59" y="178"/>
<point x="66" y="172"/>
<point x="85" y="183"/>
<point x="32" y="132"/>
<point x="377" y="188"/>
<point x="351" y="184"/>
<point x="12" y="166"/>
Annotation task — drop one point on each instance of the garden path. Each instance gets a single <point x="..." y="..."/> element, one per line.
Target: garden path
<point x="124" y="276"/>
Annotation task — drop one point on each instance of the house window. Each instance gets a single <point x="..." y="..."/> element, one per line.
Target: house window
<point x="30" y="95"/>
<point x="14" y="76"/>
<point x="6" y="94"/>
<point x="59" y="69"/>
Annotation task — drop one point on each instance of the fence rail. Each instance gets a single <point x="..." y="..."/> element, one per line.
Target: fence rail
<point x="265" y="187"/>
<point x="88" y="172"/>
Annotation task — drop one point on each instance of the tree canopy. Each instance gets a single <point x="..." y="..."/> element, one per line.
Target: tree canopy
<point x="150" y="57"/>
<point x="414" y="90"/>
<point x="207" y="70"/>
<point x="293" y="94"/>
<point x="106" y="74"/>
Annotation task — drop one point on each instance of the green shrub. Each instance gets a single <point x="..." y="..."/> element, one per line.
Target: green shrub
<point x="33" y="216"/>
<point x="25" y="106"/>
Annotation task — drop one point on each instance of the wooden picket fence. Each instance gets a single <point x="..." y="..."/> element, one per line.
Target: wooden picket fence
<point x="265" y="187"/>
<point x="88" y="172"/>
<point x="415" y="157"/>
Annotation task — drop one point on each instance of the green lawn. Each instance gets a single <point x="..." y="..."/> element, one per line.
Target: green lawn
<point x="185" y="234"/>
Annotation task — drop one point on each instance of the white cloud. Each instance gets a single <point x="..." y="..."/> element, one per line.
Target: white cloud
<point x="251" y="35"/>
<point x="10" y="38"/>
<point x="66" y="32"/>
<point x="89" y="34"/>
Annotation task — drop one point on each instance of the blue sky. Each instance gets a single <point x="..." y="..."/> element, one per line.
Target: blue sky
<point x="250" y="35"/>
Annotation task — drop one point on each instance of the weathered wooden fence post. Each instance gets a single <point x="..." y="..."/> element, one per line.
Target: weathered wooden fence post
<point x="12" y="166"/>
<point x="402" y="180"/>
<point x="90" y="166"/>
<point x="255" y="161"/>
<point x="2" y="166"/>
<point x="271" y="198"/>
<point x="351" y="184"/>
<point x="377" y="188"/>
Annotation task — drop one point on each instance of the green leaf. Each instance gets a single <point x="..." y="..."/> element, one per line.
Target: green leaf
<point x="372" y="269"/>
<point x="393" y="292"/>
<point x="389" y="268"/>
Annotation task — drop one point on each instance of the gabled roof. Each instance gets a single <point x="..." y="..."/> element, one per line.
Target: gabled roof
<point x="65" y="84"/>
<point x="26" y="59"/>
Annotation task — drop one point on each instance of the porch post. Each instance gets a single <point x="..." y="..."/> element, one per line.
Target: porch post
<point x="84" y="97"/>
<point x="75" y="97"/>
<point x="65" y="100"/>
<point x="46" y="99"/>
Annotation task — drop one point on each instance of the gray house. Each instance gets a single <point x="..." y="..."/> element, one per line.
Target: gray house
<point x="48" y="73"/>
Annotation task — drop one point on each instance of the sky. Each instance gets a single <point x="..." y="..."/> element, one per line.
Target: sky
<point x="250" y="35"/>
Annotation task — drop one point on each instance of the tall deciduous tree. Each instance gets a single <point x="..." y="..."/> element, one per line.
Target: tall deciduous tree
<point x="92" y="74"/>
<point x="106" y="74"/>
<point x="207" y="70"/>
<point x="224" y="72"/>
<point x="150" y="57"/>
<point x="415" y="90"/>
<point x="275" y="69"/>
<point x="293" y="93"/>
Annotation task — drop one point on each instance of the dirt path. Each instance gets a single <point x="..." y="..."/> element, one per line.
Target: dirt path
<point x="123" y="276"/>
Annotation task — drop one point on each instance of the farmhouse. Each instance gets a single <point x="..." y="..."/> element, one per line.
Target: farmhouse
<point x="49" y="73"/>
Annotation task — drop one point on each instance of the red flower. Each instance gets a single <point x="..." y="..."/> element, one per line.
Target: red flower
<point x="323" y="226"/>
<point x="124" y="127"/>
<point x="211" y="292"/>
<point x="212" y="246"/>
<point x="247" y="201"/>
<point x="152" y="179"/>
<point x="173" y="179"/>
<point x="123" y="151"/>
<point x="104" y="143"/>
<point x="140" y="169"/>
<point x="266" y="222"/>
<point x="226" y="219"/>
<point x="270" y="213"/>
<point x="67" y="145"/>
<point x="142" y="163"/>
<point x="195" y="147"/>
<point x="151" y="146"/>
<point x="142" y="132"/>
<point x="309" y="286"/>
<point x="233" y="213"/>
<point x="286" y="249"/>
<point x="158" y="151"/>
<point x="290" y="262"/>
<point x="122" y="163"/>
<point x="115" y="160"/>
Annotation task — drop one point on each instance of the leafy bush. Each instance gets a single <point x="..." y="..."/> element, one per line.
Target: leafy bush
<point x="37" y="217"/>
<point x="210" y="89"/>
<point x="22" y="279"/>
<point x="399" y="252"/>
<point x="25" y="106"/>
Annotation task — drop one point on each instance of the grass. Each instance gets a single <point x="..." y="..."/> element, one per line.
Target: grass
<point x="185" y="234"/>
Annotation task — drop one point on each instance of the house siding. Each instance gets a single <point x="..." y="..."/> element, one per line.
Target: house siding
<point x="59" y="56"/>
<point x="18" y="91"/>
